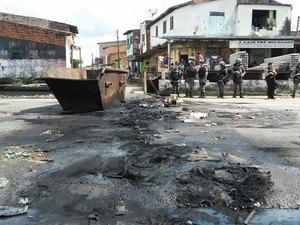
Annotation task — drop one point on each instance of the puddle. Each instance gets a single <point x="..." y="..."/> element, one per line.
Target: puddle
<point x="276" y="217"/>
<point x="209" y="216"/>
<point x="112" y="152"/>
<point x="24" y="219"/>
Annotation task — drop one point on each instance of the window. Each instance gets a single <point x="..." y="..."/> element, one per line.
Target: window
<point x="263" y="19"/>
<point x="131" y="40"/>
<point x="143" y="39"/>
<point x="156" y="31"/>
<point x="164" y="27"/>
<point x="216" y="23"/>
<point x="171" y="23"/>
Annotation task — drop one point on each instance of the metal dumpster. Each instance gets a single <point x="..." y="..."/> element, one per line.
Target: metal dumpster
<point x="86" y="90"/>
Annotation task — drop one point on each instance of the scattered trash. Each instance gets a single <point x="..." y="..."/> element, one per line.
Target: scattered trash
<point x="210" y="124"/>
<point x="6" y="211"/>
<point x="94" y="216"/>
<point x="197" y="155"/>
<point x="166" y="121"/>
<point x="180" y="145"/>
<point x="3" y="182"/>
<point x="24" y="200"/>
<point x="185" y="108"/>
<point x="219" y="138"/>
<point x="249" y="217"/>
<point x="120" y="208"/>
<point x="238" y="116"/>
<point x="199" y="115"/>
<point x="257" y="204"/>
<point x="187" y="120"/>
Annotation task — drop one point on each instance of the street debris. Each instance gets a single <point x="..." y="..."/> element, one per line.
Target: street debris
<point x="198" y="115"/>
<point x="120" y="208"/>
<point x="3" y="182"/>
<point x="24" y="200"/>
<point x="200" y="154"/>
<point x="24" y="153"/>
<point x="6" y="211"/>
<point x="237" y="187"/>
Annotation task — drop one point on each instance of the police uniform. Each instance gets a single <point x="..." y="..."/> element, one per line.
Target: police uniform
<point x="202" y="73"/>
<point x="238" y="74"/>
<point x="175" y="76"/>
<point x="296" y="79"/>
<point x="190" y="74"/>
<point x="221" y="76"/>
<point x="271" y="81"/>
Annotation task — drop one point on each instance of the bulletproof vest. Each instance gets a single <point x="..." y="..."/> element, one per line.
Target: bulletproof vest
<point x="202" y="72"/>
<point x="190" y="72"/>
<point x="175" y="74"/>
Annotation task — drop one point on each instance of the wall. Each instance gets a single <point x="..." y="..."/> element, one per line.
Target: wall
<point x="194" y="20"/>
<point x="27" y="68"/>
<point x="244" y="19"/>
<point x="28" y="51"/>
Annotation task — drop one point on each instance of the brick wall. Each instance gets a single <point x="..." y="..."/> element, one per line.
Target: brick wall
<point x="31" y="33"/>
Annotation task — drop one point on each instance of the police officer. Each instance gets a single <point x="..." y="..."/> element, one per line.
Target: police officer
<point x="238" y="75"/>
<point x="190" y="74"/>
<point x="222" y="75"/>
<point x="270" y="79"/>
<point x="296" y="79"/>
<point x="175" y="77"/>
<point x="202" y="73"/>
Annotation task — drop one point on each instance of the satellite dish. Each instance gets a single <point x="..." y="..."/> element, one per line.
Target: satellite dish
<point x="152" y="12"/>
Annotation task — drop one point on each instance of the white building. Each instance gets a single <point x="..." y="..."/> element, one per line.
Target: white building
<point x="261" y="27"/>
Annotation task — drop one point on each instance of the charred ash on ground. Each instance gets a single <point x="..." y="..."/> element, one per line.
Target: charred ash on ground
<point x="155" y="175"/>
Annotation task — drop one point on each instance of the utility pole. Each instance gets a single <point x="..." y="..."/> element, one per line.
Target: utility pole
<point x="118" y="49"/>
<point x="92" y="60"/>
<point x="80" y="57"/>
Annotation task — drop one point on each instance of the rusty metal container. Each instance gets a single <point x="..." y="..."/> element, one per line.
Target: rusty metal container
<point x="80" y="90"/>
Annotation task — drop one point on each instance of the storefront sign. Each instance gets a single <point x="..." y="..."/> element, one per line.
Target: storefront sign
<point x="262" y="44"/>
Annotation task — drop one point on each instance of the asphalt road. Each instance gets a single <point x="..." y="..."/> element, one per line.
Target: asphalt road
<point x="54" y="159"/>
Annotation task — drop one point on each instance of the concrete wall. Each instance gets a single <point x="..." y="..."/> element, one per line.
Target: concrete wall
<point x="195" y="20"/>
<point x="244" y="19"/>
<point x="27" y="68"/>
<point x="26" y="52"/>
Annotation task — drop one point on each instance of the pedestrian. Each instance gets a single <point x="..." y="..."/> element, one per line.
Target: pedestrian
<point x="214" y="60"/>
<point x="270" y="74"/>
<point x="202" y="73"/>
<point x="222" y="76"/>
<point x="199" y="59"/>
<point x="175" y="77"/>
<point x="189" y="75"/>
<point x="238" y="74"/>
<point x="296" y="79"/>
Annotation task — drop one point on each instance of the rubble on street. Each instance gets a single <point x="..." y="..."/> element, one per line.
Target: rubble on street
<point x="197" y="161"/>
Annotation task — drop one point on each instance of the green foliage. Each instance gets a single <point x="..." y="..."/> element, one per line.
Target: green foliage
<point x="17" y="83"/>
<point x="76" y="63"/>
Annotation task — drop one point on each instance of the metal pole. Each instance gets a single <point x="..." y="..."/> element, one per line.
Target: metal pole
<point x="71" y="55"/>
<point x="169" y="52"/>
<point x="118" y="48"/>
<point x="80" y="62"/>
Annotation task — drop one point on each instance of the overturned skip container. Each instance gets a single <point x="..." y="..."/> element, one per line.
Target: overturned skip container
<point x="79" y="90"/>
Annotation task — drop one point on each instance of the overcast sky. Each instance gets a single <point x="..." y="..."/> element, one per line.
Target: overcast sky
<point x="98" y="20"/>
